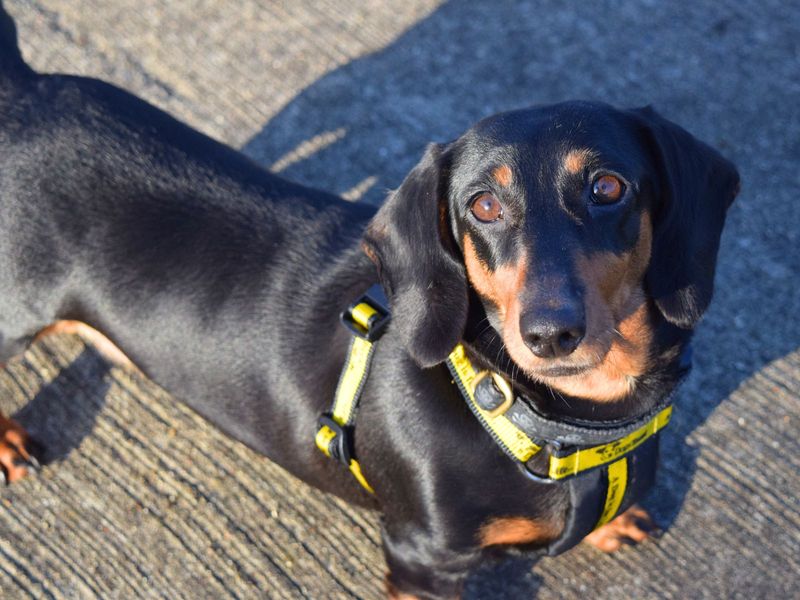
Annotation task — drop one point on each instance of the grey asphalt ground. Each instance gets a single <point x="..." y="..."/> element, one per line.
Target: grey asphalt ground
<point x="143" y="499"/>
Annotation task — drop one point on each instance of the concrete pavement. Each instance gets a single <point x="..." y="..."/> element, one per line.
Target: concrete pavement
<point x="344" y="97"/>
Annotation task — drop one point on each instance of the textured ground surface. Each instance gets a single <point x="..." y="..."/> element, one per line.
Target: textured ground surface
<point x="143" y="499"/>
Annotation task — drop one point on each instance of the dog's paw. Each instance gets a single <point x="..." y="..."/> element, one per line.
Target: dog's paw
<point x="17" y="457"/>
<point x="631" y="527"/>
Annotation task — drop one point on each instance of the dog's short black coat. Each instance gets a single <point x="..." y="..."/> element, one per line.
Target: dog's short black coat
<point x="224" y="283"/>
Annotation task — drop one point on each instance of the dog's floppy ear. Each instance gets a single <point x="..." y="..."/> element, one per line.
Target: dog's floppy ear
<point x="697" y="185"/>
<point x="410" y="241"/>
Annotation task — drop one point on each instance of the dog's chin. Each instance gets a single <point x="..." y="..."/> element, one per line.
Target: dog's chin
<point x="557" y="368"/>
<point x="550" y="371"/>
<point x="593" y="371"/>
<point x="556" y="371"/>
<point x="598" y="381"/>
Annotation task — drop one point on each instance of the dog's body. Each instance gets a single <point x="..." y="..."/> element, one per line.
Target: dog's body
<point x="224" y="283"/>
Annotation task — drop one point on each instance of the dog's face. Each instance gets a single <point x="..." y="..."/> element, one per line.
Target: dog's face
<point x="552" y="213"/>
<point x="569" y="223"/>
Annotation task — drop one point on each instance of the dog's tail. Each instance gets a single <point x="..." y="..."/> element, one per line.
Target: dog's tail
<point x="12" y="66"/>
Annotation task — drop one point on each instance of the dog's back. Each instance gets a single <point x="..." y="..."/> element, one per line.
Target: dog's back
<point x="115" y="214"/>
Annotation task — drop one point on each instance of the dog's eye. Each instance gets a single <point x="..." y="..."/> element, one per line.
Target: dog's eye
<point x="487" y="208"/>
<point x="607" y="189"/>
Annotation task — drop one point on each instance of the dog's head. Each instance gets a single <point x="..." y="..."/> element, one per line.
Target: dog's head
<point x="570" y="222"/>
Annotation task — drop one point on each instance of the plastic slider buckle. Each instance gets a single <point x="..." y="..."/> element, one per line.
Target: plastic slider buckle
<point x="339" y="448"/>
<point x="375" y="298"/>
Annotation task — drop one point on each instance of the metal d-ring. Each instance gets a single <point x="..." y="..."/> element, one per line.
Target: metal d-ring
<point x="502" y="386"/>
<point x="534" y="477"/>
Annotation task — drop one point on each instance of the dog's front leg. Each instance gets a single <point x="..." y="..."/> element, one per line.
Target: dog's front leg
<point x="16" y="451"/>
<point x="422" y="567"/>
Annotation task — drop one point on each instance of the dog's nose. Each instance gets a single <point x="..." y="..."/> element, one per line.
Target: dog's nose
<point x="553" y="333"/>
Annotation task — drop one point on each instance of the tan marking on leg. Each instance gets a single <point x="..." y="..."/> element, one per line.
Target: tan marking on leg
<point x="634" y="525"/>
<point x="505" y="531"/>
<point x="12" y="449"/>
<point x="367" y="249"/>
<point x="576" y="160"/>
<point x="503" y="175"/>
<point x="96" y="339"/>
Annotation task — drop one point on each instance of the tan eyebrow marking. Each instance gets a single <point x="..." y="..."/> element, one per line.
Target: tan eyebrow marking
<point x="576" y="160"/>
<point x="503" y="175"/>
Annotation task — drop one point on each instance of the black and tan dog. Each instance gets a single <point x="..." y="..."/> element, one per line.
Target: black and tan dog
<point x="570" y="247"/>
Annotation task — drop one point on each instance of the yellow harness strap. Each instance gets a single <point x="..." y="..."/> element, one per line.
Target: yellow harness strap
<point x="617" y="482"/>
<point x="589" y="458"/>
<point x="515" y="442"/>
<point x="511" y="439"/>
<point x="364" y="318"/>
<point x="352" y="380"/>
<point x="519" y="445"/>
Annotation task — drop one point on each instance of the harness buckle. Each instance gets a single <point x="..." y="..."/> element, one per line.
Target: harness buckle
<point x="368" y="316"/>
<point x="340" y="445"/>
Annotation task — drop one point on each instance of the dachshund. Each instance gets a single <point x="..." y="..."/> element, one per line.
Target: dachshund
<point x="570" y="248"/>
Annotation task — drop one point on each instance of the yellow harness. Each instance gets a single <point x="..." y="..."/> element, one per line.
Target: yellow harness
<point x="518" y="445"/>
<point x="600" y="475"/>
<point x="366" y="319"/>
